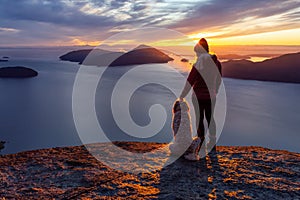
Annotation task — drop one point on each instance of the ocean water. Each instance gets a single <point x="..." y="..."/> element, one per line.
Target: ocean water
<point x="37" y="112"/>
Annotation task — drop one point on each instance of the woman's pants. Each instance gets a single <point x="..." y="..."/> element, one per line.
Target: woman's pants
<point x="205" y="107"/>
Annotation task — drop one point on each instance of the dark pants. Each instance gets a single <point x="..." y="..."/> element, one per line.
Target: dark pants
<point x="205" y="107"/>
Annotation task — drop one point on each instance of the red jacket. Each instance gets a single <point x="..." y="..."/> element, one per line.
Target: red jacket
<point x="199" y="85"/>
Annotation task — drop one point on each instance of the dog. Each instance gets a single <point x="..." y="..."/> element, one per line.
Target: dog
<point x="184" y="143"/>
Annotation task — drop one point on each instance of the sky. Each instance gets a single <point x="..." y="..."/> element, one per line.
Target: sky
<point x="89" y="22"/>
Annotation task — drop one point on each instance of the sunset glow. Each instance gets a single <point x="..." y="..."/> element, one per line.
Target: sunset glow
<point x="284" y="37"/>
<point x="79" y="42"/>
<point x="68" y="22"/>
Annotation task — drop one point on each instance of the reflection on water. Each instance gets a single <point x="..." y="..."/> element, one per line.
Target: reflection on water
<point x="258" y="59"/>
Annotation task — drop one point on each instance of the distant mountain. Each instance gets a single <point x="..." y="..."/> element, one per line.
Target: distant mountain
<point x="142" y="54"/>
<point x="233" y="56"/>
<point x="285" y="68"/>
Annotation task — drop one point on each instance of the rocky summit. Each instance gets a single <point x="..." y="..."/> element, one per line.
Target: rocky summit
<point x="73" y="173"/>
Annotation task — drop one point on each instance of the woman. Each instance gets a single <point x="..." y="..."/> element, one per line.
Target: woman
<point x="205" y="79"/>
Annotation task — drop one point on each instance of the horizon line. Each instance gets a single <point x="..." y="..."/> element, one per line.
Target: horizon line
<point x="53" y="46"/>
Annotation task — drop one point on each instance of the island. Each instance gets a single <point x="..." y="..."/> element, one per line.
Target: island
<point x="79" y="55"/>
<point x="142" y="54"/>
<point x="4" y="59"/>
<point x="17" y="72"/>
<point x="284" y="68"/>
<point x="73" y="173"/>
<point x="184" y="60"/>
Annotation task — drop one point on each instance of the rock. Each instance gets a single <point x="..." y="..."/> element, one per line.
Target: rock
<point x="2" y="145"/>
<point x="142" y="54"/>
<point x="73" y="173"/>
<point x="17" y="72"/>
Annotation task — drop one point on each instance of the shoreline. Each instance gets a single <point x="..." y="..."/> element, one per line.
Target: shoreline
<point x="71" y="172"/>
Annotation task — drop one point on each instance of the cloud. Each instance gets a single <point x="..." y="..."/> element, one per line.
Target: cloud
<point x="58" y="22"/>
<point x="11" y="30"/>
<point x="55" y="12"/>
<point x="234" y="17"/>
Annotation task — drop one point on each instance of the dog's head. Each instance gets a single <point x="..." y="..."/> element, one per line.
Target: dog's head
<point x="180" y="105"/>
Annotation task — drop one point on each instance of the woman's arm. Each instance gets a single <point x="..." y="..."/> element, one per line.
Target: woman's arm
<point x="185" y="90"/>
<point x="189" y="83"/>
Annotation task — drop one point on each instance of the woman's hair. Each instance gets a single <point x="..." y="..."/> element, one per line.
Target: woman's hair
<point x="204" y="44"/>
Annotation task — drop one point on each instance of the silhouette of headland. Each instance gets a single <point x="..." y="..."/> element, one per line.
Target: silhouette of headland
<point x="284" y="68"/>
